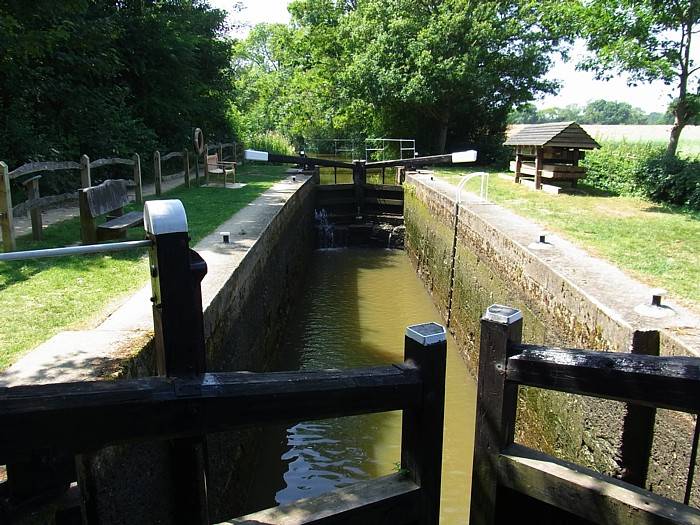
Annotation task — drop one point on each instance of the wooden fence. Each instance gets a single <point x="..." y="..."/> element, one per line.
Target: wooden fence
<point x="44" y="427"/>
<point x="511" y="481"/>
<point x="36" y="202"/>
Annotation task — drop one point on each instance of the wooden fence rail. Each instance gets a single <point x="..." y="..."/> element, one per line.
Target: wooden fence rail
<point x="45" y="426"/>
<point x="508" y="477"/>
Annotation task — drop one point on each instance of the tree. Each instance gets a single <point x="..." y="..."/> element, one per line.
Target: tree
<point x="612" y="112"/>
<point x="449" y="70"/>
<point x="650" y="40"/>
<point x="109" y="77"/>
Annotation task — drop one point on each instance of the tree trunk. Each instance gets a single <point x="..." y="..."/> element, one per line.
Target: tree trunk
<point x="442" y="135"/>
<point x="675" y="137"/>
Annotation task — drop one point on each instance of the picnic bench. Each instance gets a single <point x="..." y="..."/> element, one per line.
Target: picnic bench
<point x="549" y="151"/>
<point x="216" y="166"/>
<point x="108" y="198"/>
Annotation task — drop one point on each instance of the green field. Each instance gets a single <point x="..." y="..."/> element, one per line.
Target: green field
<point x="656" y="243"/>
<point x="43" y="297"/>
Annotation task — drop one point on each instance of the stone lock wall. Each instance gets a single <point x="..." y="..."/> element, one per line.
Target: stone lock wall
<point x="493" y="268"/>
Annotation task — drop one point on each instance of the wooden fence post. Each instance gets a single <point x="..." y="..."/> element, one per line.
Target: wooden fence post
<point x="638" y="426"/>
<point x="206" y="166"/>
<point x="137" y="178"/>
<point x="32" y="186"/>
<point x="496" y="405"/>
<point x="6" y="220"/>
<point x="85" y="179"/>
<point x="425" y="347"/>
<point x="539" y="163"/>
<point x="178" y="321"/>
<point x="157" y="173"/>
<point x="186" y="167"/>
<point x="518" y="163"/>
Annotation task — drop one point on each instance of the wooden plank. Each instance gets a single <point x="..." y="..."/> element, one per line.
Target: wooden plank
<point x="171" y="155"/>
<point x="111" y="161"/>
<point x="325" y="201"/>
<point x="88" y="224"/>
<point x="496" y="404"/>
<point x="33" y="167"/>
<point x="384" y="202"/>
<point x="75" y="417"/>
<point x="7" y="224"/>
<point x="664" y="382"/>
<point x="128" y="220"/>
<point x="587" y="494"/>
<point x="106" y="197"/>
<point x="336" y="187"/>
<point x="391" y="500"/>
<point x="384" y="187"/>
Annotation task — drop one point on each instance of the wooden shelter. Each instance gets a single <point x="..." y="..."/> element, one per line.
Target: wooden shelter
<point x="551" y="150"/>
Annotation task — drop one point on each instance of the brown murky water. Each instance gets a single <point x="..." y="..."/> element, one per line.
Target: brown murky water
<point x="353" y="313"/>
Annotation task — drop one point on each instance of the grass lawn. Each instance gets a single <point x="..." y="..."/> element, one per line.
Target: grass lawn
<point x="43" y="297"/>
<point x="658" y="244"/>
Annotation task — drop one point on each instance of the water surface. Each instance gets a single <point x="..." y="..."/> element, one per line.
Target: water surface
<point x="356" y="306"/>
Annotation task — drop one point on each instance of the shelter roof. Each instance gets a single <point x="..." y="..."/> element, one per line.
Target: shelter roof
<point x="553" y="134"/>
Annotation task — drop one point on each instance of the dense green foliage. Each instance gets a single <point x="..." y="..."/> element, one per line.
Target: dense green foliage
<point x="446" y="72"/>
<point x="634" y="168"/>
<point x="595" y="112"/>
<point x="109" y="77"/>
<point x="649" y="40"/>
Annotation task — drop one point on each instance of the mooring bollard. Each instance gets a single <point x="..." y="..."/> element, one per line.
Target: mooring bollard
<point x="176" y="275"/>
<point x="496" y="403"/>
<point x="425" y="347"/>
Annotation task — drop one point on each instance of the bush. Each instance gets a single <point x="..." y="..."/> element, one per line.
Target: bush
<point x="644" y="169"/>
<point x="617" y="166"/>
<point x="271" y="142"/>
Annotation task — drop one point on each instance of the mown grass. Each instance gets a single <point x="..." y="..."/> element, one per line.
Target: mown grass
<point x="658" y="244"/>
<point x="43" y="297"/>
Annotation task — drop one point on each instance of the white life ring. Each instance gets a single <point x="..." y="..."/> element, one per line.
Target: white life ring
<point x="198" y="141"/>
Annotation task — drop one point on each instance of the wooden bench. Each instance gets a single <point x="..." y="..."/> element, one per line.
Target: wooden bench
<point x="108" y="198"/>
<point x="214" y="166"/>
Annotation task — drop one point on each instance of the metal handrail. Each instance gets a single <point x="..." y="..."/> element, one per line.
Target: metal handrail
<point x="484" y="192"/>
<point x="75" y="250"/>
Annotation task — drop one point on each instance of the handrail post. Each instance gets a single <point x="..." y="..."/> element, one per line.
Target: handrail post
<point x="158" y="182"/>
<point x="85" y="179"/>
<point x="176" y="275"/>
<point x="496" y="404"/>
<point x="137" y="179"/>
<point x="6" y="219"/>
<point x="425" y="347"/>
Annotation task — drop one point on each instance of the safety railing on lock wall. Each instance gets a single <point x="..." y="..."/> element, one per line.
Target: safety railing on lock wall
<point x="510" y="480"/>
